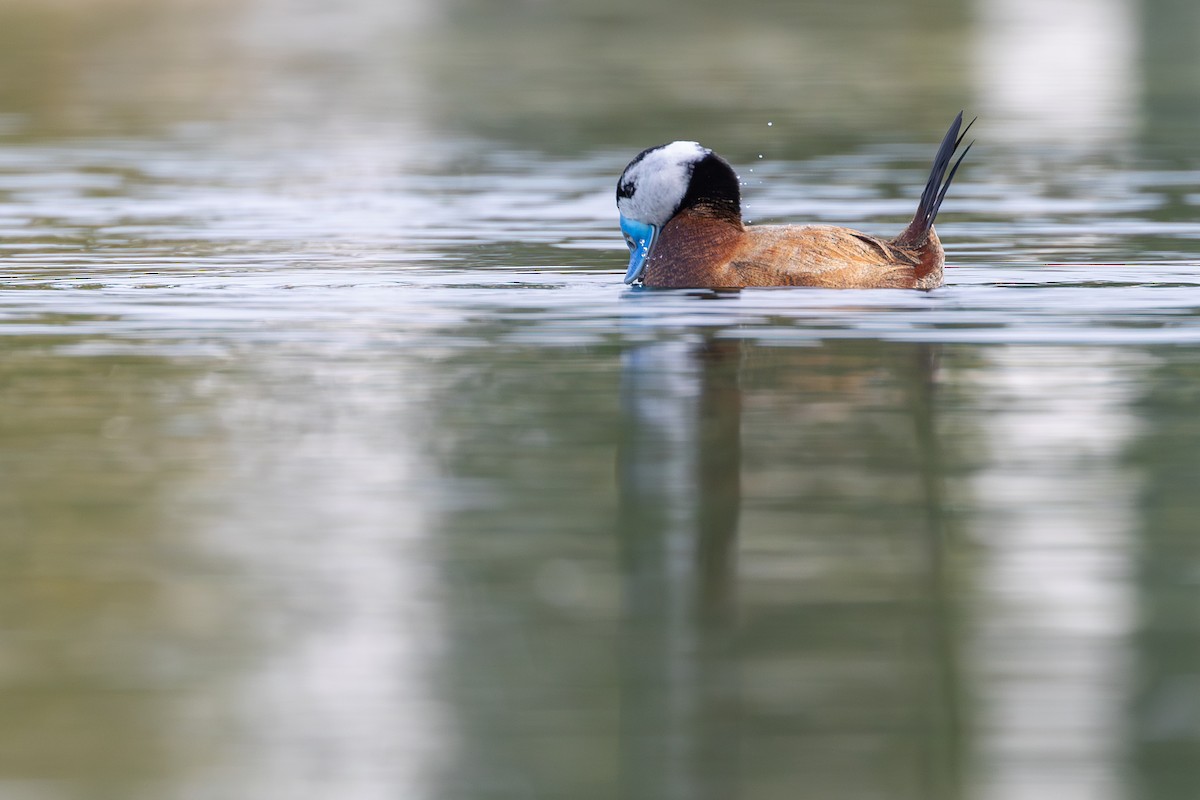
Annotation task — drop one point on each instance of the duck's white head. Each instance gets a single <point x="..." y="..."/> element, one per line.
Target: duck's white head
<point x="661" y="182"/>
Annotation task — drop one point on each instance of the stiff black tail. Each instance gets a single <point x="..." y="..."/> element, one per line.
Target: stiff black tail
<point x="935" y="189"/>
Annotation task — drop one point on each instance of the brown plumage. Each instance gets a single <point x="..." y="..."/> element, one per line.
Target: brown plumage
<point x="699" y="250"/>
<point x="703" y="243"/>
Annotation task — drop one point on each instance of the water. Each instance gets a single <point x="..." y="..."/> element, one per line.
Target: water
<point x="337" y="460"/>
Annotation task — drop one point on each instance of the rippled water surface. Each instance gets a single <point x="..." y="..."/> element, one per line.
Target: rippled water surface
<point x="338" y="461"/>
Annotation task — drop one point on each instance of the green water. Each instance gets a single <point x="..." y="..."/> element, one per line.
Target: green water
<point x="336" y="460"/>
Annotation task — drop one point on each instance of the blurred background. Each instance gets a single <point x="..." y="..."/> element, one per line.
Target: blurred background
<point x="335" y="460"/>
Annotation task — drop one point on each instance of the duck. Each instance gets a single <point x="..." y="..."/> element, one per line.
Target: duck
<point x="681" y="216"/>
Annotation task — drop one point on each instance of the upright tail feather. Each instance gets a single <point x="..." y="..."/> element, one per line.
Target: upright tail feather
<point x="917" y="231"/>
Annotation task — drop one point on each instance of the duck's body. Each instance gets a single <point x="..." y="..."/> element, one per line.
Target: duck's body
<point x="696" y="250"/>
<point x="681" y="213"/>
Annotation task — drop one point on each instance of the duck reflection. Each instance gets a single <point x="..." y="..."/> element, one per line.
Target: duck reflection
<point x="679" y="468"/>
<point x="836" y="653"/>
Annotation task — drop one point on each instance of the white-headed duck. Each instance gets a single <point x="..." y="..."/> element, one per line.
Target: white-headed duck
<point x="681" y="214"/>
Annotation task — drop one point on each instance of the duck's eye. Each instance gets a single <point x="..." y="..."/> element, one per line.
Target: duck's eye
<point x="629" y="241"/>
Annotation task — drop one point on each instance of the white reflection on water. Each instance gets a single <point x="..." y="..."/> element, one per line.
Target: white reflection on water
<point x="1056" y="604"/>
<point x="317" y="511"/>
<point x="1063" y="72"/>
